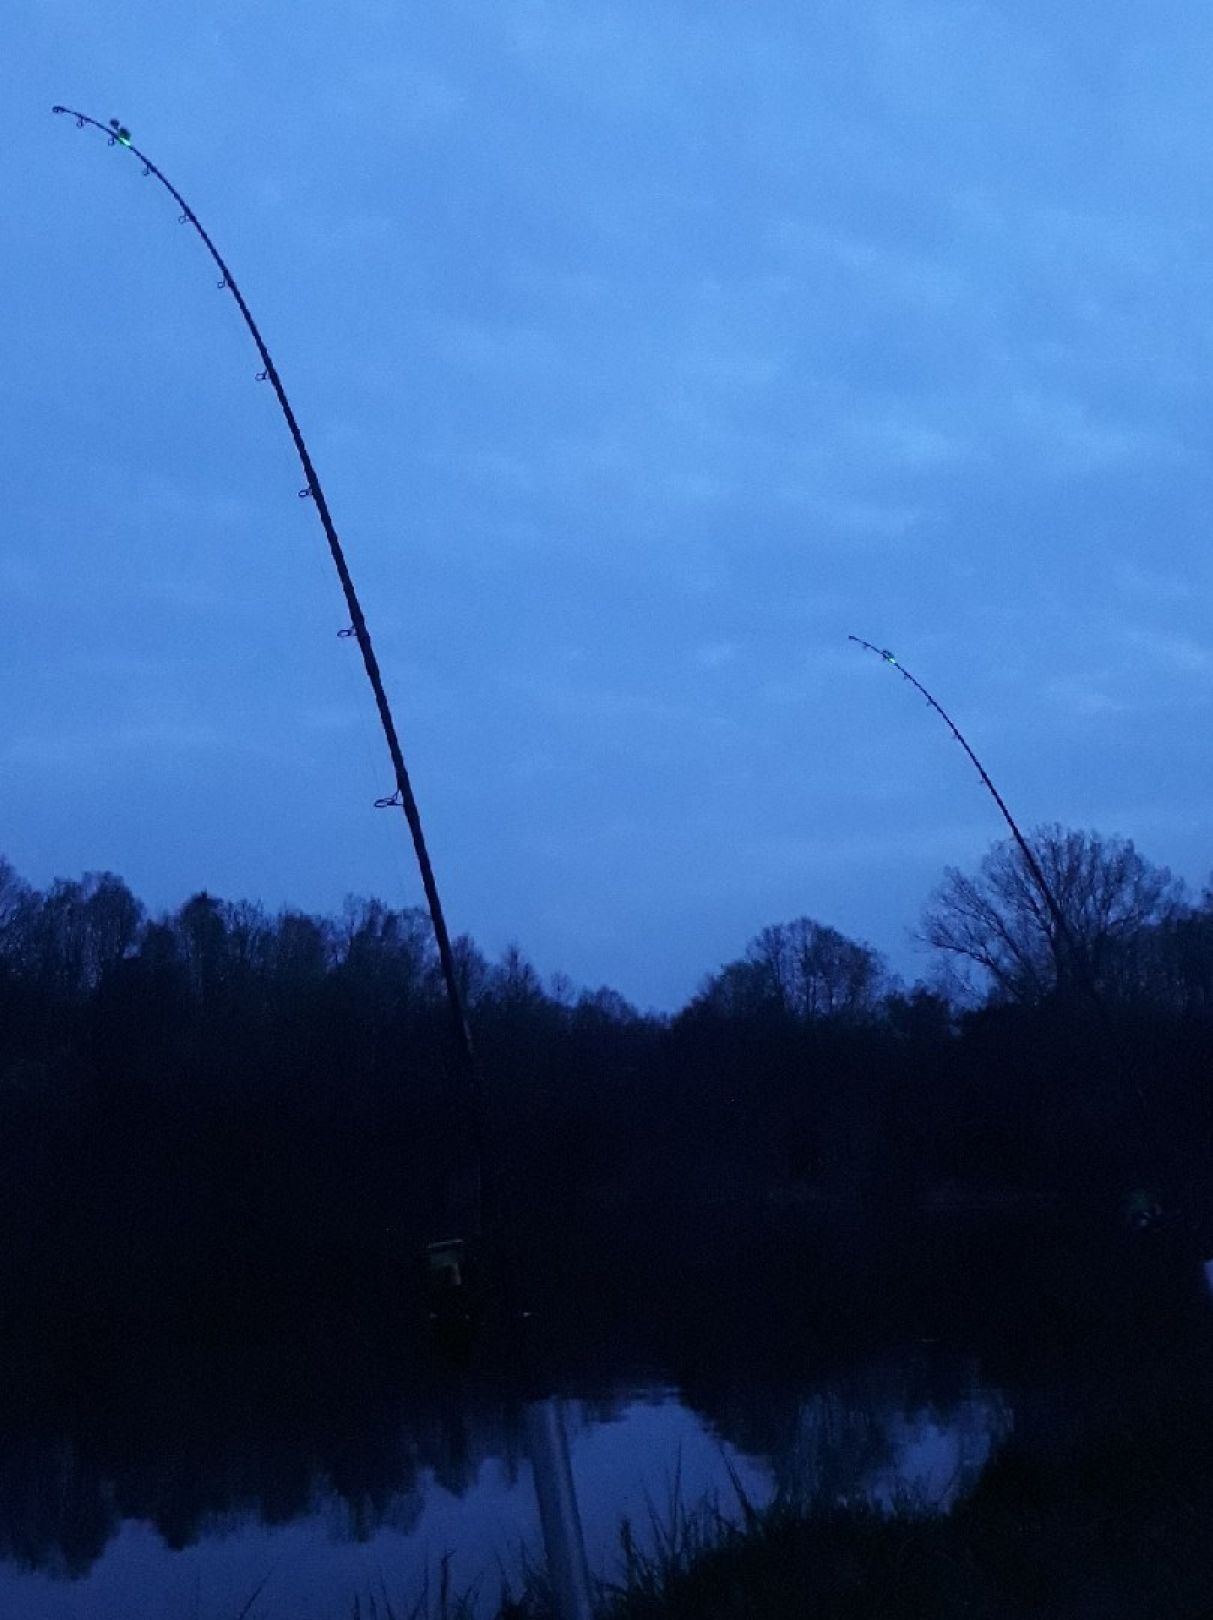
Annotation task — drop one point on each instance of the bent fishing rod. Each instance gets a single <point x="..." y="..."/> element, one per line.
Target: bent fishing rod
<point x="118" y="135"/>
<point x="1030" y="861"/>
<point x="1079" y="965"/>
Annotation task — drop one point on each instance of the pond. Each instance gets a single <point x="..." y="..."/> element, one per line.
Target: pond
<point x="186" y="1503"/>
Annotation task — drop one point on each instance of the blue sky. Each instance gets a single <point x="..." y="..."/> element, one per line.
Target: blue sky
<point x="644" y="354"/>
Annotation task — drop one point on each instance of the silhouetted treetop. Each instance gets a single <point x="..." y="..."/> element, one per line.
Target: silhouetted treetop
<point x="804" y="971"/>
<point x="998" y="928"/>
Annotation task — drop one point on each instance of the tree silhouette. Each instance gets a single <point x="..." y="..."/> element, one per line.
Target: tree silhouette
<point x="997" y="922"/>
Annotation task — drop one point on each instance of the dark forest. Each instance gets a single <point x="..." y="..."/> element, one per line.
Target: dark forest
<point x="215" y="1122"/>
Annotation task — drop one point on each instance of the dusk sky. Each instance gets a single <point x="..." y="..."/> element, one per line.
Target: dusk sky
<point x="645" y="351"/>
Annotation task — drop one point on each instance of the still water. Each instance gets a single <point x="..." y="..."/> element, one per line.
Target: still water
<point x="191" y="1524"/>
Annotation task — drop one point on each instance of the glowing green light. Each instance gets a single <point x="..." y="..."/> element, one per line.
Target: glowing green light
<point x="888" y="657"/>
<point x="121" y="134"/>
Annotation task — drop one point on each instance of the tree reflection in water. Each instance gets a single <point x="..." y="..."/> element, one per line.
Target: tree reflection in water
<point x="398" y="1480"/>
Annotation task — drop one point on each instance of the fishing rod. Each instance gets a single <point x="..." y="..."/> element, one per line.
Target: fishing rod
<point x="1033" y="865"/>
<point x="118" y="135"/>
<point x="1078" y="961"/>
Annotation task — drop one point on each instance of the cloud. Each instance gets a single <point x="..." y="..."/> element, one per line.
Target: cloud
<point x="331" y="717"/>
<point x="1064" y="432"/>
<point x="902" y="439"/>
<point x="1172" y="651"/>
<point x="21" y="578"/>
<point x="1083" y="696"/>
<point x="128" y="738"/>
<point x="612" y="56"/>
<point x="691" y="342"/>
<point x="408" y="97"/>
<point x="932" y="284"/>
<point x="715" y="654"/>
<point x="1157" y="585"/>
<point x="500" y="346"/>
<point x="883" y="847"/>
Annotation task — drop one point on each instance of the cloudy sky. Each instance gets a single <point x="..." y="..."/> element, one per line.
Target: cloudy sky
<point x="644" y="353"/>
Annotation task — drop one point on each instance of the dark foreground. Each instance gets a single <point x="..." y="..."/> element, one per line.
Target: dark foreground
<point x="1111" y="1521"/>
<point x="1100" y="1506"/>
<point x="1109" y="1531"/>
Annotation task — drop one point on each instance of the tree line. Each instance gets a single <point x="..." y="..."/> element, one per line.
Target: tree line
<point x="218" y="1116"/>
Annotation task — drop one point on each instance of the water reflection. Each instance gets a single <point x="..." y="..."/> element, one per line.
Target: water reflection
<point x="856" y="1445"/>
<point x="190" y="1517"/>
<point x="559" y="1514"/>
